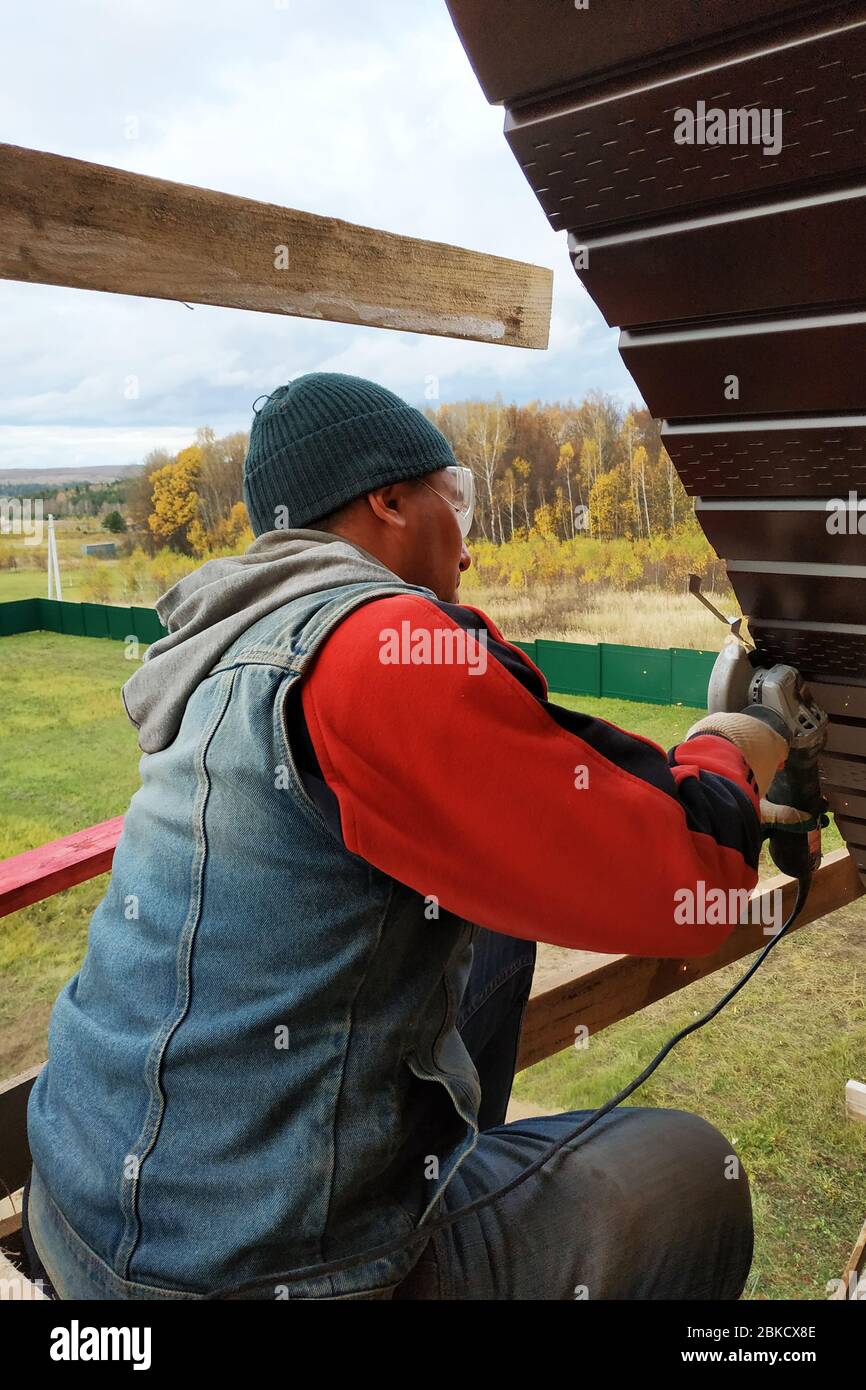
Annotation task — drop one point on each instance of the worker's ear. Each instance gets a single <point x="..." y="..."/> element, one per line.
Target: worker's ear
<point x="390" y="504"/>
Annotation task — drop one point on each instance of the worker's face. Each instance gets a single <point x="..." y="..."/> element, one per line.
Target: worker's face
<point x="413" y="528"/>
<point x="436" y="552"/>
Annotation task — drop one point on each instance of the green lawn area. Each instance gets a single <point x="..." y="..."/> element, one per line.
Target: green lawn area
<point x="15" y="584"/>
<point x="30" y="580"/>
<point x="68" y="758"/>
<point x="770" y="1072"/>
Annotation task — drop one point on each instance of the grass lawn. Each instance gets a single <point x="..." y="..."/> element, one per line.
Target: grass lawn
<point x="15" y="584"/>
<point x="770" y="1072"/>
<point x="68" y="758"/>
<point x="30" y="579"/>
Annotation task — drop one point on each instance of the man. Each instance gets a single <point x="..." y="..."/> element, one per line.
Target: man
<point x="293" y="1035"/>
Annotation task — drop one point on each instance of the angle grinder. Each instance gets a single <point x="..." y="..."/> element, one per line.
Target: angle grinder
<point x="779" y="696"/>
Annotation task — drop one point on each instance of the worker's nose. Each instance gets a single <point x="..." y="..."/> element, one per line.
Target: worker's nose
<point x="465" y="559"/>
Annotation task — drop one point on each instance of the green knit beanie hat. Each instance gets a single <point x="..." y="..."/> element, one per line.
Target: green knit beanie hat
<point x="325" y="439"/>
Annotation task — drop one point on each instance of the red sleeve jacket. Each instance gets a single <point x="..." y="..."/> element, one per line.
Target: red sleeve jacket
<point x="430" y="747"/>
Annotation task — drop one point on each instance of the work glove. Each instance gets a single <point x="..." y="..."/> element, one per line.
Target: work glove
<point x="763" y="749"/>
<point x="775" y="816"/>
<point x="766" y="751"/>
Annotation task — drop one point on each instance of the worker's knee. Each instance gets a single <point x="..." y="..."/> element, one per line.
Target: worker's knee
<point x="708" y="1215"/>
<point x="679" y="1224"/>
<point x="718" y="1164"/>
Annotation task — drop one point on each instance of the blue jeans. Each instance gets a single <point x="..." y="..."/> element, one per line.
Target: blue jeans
<point x="643" y="1206"/>
<point x="648" y="1204"/>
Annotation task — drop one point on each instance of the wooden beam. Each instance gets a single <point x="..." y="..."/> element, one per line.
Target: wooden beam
<point x="68" y="222"/>
<point x="852" y="1285"/>
<point x="620" y="986"/>
<point x="40" y="873"/>
<point x="855" y="1100"/>
<point x="10" y="1225"/>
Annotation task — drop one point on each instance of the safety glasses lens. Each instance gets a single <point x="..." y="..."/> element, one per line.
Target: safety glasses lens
<point x="464" y="482"/>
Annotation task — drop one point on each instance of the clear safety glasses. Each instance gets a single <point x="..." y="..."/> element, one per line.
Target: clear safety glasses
<point x="463" y="499"/>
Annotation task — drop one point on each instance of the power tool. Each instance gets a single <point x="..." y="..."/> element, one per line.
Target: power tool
<point x="777" y="695"/>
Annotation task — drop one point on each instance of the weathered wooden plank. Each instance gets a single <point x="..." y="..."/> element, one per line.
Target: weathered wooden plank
<point x="853" y="1281"/>
<point x="9" y="1226"/>
<point x="855" y="1101"/>
<point x="621" y="987"/>
<point x="68" y="222"/>
<point x="39" y="873"/>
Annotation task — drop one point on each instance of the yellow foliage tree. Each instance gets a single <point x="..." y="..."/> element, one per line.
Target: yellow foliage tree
<point x="612" y="510"/>
<point x="232" y="533"/>
<point x="174" y="498"/>
<point x="544" y="522"/>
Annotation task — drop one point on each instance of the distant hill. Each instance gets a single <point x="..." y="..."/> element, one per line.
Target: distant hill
<point x="60" y="477"/>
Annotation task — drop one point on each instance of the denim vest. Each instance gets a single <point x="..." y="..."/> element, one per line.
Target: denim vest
<point x="256" y="1069"/>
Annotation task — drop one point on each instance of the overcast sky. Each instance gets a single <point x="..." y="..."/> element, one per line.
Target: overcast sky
<point x="368" y="112"/>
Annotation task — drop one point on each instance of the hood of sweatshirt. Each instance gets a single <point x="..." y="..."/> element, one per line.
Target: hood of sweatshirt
<point x="206" y="611"/>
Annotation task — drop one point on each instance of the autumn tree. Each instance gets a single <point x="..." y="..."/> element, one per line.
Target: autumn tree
<point x="175" y="499"/>
<point x="612" y="510"/>
<point x="483" y="442"/>
<point x="564" y="467"/>
<point x="139" y="499"/>
<point x="220" y="476"/>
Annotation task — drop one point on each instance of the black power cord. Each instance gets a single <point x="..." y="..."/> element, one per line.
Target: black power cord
<point x="424" y="1232"/>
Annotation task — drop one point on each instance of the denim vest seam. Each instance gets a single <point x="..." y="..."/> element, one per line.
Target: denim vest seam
<point x="372" y="956"/>
<point x="302" y="798"/>
<point x="257" y="656"/>
<point x="153" y="1063"/>
<point x="320" y="627"/>
<point x="303" y="651"/>
<point x="449" y="1079"/>
<point x="447" y="1026"/>
<point x="452" y="1005"/>
<point x="467" y="1147"/>
<point x="261" y="656"/>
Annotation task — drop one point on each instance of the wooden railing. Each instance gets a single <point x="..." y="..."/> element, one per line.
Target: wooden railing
<point x="40" y="873"/>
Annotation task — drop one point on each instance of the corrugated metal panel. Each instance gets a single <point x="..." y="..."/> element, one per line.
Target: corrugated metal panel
<point x="734" y="369"/>
<point x="520" y="47"/>
<point x="807" y="457"/>
<point x="615" y="158"/>
<point x="658" y="274"/>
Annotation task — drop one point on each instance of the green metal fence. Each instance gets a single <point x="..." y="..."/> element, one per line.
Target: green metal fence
<point x="79" y="619"/>
<point x="654" y="675"/>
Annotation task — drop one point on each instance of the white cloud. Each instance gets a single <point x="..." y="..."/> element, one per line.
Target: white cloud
<point x="52" y="446"/>
<point x="369" y="113"/>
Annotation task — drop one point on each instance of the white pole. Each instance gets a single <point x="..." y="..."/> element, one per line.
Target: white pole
<point x="57" y="583"/>
<point x="53" y="563"/>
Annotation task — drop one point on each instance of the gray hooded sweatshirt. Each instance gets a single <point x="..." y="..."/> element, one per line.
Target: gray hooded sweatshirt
<point x="206" y="611"/>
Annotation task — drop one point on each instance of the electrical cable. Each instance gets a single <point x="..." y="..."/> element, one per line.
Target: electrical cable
<point x="425" y="1230"/>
